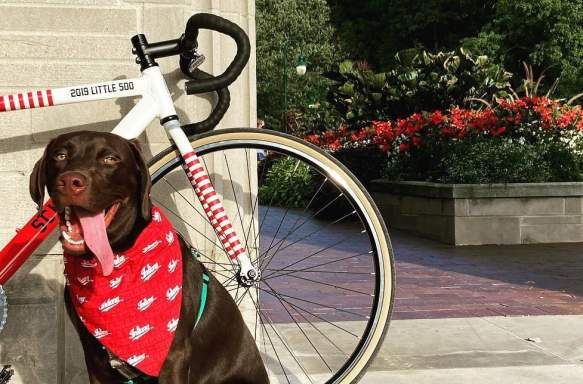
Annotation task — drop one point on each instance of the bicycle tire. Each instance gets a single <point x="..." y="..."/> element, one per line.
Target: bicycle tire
<point x="165" y="165"/>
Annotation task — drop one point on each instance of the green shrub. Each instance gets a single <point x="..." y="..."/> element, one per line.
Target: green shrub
<point x="491" y="161"/>
<point x="419" y="81"/>
<point x="288" y="183"/>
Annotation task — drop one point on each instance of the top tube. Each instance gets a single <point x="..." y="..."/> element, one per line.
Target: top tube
<point x="75" y="94"/>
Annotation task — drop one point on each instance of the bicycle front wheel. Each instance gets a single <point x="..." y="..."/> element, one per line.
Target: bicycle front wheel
<point x="322" y="306"/>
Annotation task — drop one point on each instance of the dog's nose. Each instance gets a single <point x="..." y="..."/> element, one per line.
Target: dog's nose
<point x="72" y="183"/>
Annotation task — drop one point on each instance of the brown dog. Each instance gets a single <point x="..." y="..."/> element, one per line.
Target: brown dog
<point x="101" y="178"/>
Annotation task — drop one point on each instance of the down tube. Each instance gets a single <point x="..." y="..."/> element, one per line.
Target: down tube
<point x="27" y="240"/>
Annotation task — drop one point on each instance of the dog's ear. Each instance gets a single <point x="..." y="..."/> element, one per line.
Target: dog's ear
<point x="38" y="179"/>
<point x="145" y="181"/>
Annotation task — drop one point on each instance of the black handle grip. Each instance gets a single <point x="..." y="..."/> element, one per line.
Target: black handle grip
<point x="223" y="102"/>
<point x="221" y="25"/>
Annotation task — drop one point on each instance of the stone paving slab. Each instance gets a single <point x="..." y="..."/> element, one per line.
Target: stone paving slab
<point x="556" y="374"/>
<point x="481" y="350"/>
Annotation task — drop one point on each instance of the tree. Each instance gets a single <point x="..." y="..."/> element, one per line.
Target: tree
<point x="547" y="34"/>
<point x="305" y="26"/>
<point x="375" y="30"/>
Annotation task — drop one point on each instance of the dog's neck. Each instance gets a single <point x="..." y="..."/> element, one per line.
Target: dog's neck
<point x="127" y="226"/>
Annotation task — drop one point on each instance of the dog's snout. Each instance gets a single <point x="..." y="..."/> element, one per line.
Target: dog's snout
<point x="73" y="183"/>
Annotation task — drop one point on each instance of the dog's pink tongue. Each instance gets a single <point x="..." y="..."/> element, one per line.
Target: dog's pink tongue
<point x="95" y="236"/>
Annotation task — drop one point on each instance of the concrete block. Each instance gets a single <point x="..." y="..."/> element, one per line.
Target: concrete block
<point x="573" y="205"/>
<point x="78" y="20"/>
<point x="167" y="2"/>
<point x="164" y="23"/>
<point x="16" y="206"/>
<point x="30" y="343"/>
<point x="420" y="205"/>
<point x="516" y="206"/>
<point x="385" y="199"/>
<point x="81" y="47"/>
<point x="487" y="230"/>
<point x="37" y="281"/>
<point x="96" y="116"/>
<point x="551" y="233"/>
<point x="75" y="368"/>
<point x="540" y="220"/>
<point x="454" y="207"/>
<point x="40" y="75"/>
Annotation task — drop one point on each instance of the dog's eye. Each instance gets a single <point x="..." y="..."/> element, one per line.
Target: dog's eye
<point x="60" y="156"/>
<point x="110" y="160"/>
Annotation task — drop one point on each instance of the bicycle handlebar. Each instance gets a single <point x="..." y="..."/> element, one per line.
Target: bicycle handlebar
<point x="202" y="82"/>
<point x="189" y="42"/>
<point x="223" y="102"/>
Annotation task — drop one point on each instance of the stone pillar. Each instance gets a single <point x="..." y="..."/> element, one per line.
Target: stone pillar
<point x="54" y="43"/>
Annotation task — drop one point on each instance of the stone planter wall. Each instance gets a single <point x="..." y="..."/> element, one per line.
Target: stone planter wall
<point x="474" y="214"/>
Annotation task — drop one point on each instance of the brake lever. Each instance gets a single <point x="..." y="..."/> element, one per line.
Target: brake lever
<point x="195" y="62"/>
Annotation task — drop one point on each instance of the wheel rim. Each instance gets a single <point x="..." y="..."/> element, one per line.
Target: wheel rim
<point x="317" y="302"/>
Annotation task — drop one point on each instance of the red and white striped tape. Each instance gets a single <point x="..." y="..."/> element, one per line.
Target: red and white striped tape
<point x="212" y="205"/>
<point x="28" y="100"/>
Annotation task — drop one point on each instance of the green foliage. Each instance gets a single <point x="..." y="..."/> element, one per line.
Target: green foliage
<point x="288" y="183"/>
<point x="292" y="26"/>
<point x="491" y="161"/>
<point x="375" y="30"/>
<point x="419" y="81"/>
<point x="366" y="164"/>
<point x="547" y="34"/>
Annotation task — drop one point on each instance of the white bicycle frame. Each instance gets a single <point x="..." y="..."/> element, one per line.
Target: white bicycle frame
<point x="156" y="102"/>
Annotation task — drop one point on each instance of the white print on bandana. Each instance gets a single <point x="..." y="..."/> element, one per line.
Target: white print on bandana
<point x="151" y="247"/>
<point x="109" y="304"/>
<point x="84" y="280"/>
<point x="171" y="293"/>
<point x="145" y="303"/>
<point x="136" y="359"/>
<point x="100" y="333"/>
<point x="148" y="271"/>
<point x="81" y="299"/>
<point x="171" y="326"/>
<point x="89" y="263"/>
<point x="156" y="217"/>
<point x="114" y="283"/>
<point x="137" y="332"/>
<point x="172" y="266"/>
<point x="170" y="237"/>
<point x="119" y="260"/>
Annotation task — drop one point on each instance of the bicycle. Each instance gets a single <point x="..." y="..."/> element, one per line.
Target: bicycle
<point x="314" y="277"/>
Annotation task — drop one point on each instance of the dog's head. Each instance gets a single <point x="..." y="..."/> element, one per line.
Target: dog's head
<point x="100" y="186"/>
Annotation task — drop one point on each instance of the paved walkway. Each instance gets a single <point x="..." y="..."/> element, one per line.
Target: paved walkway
<point x="465" y="315"/>
<point x="435" y="280"/>
<point x="504" y="314"/>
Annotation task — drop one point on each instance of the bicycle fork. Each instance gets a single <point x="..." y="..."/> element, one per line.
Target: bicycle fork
<point x="212" y="205"/>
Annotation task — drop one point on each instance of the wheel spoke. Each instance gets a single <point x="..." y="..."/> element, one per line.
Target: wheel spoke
<point x="300" y="328"/>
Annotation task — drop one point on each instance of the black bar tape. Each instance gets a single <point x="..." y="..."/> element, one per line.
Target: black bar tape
<point x="221" y="25"/>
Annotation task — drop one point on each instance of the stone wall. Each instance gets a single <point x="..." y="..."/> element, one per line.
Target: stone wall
<point x="484" y="214"/>
<point x="54" y="43"/>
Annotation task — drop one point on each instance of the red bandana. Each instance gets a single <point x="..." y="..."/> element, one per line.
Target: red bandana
<point x="135" y="310"/>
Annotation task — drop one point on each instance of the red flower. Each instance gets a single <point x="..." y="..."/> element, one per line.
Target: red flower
<point x="403" y="147"/>
<point x="436" y="118"/>
<point x="416" y="141"/>
<point x="497" y="131"/>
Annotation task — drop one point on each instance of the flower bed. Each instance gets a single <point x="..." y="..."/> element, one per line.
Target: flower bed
<point x="535" y="142"/>
<point x="434" y="146"/>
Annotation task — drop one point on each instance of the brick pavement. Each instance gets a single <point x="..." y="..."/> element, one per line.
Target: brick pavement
<point x="440" y="281"/>
<point x="433" y="280"/>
